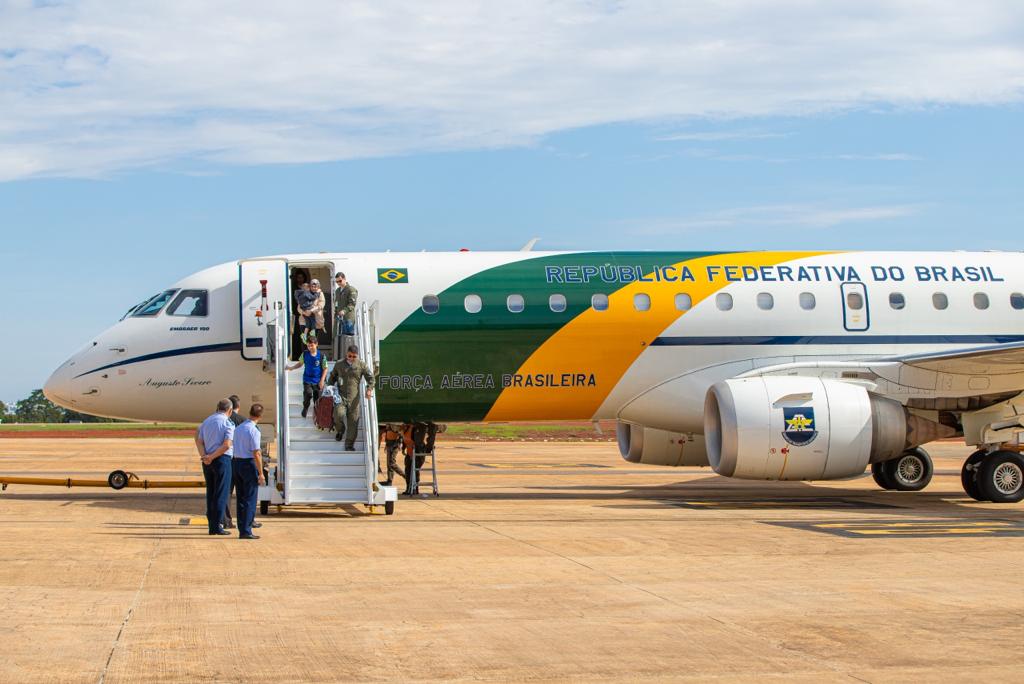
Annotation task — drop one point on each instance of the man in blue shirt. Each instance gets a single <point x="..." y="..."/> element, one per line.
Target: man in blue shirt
<point x="247" y="471"/>
<point x="313" y="375"/>
<point x="214" y="439"/>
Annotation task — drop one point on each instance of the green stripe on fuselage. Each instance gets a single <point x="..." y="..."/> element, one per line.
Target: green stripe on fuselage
<point x="463" y="356"/>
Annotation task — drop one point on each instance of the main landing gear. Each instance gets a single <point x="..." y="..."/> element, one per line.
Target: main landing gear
<point x="909" y="472"/>
<point x="996" y="476"/>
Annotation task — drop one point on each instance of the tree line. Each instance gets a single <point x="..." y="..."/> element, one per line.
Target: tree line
<point x="36" y="408"/>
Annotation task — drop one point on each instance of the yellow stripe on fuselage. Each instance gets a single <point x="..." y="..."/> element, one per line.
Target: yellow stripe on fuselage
<point x="607" y="343"/>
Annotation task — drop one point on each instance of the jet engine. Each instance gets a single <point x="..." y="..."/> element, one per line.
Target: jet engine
<point x="650" y="446"/>
<point x="804" y="428"/>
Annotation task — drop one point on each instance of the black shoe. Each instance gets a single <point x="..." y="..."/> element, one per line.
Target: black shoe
<point x="338" y="436"/>
<point x="305" y="411"/>
<point x="248" y="536"/>
<point x="221" y="532"/>
<point x="350" y="447"/>
<point x="257" y="524"/>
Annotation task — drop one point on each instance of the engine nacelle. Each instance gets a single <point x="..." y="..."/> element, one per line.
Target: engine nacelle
<point x="650" y="446"/>
<point x="805" y="428"/>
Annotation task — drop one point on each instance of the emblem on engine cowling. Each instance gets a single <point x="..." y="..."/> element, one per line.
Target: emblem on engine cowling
<point x="799" y="425"/>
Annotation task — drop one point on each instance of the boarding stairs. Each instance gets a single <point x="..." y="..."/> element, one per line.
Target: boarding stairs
<point x="311" y="467"/>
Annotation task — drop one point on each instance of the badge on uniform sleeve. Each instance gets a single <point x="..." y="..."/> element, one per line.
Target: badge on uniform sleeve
<point x="800" y="428"/>
<point x="392" y="275"/>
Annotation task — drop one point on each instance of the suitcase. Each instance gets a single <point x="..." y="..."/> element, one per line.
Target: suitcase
<point x="323" y="416"/>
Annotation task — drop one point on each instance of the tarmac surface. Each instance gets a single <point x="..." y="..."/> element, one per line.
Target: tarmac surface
<point x="546" y="561"/>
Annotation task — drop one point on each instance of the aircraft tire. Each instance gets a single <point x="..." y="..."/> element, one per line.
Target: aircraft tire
<point x="1001" y="477"/>
<point x="969" y="475"/>
<point x="911" y="471"/>
<point x="264" y="507"/>
<point x="879" y="476"/>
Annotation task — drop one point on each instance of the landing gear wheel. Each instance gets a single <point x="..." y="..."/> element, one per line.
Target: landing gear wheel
<point x="1001" y="477"/>
<point x="969" y="475"/>
<point x="389" y="508"/>
<point x="117" y="479"/>
<point x="910" y="472"/>
<point x="879" y="476"/>
<point x="264" y="507"/>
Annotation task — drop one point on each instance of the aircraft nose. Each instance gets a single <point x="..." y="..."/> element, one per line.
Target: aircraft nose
<point x="57" y="387"/>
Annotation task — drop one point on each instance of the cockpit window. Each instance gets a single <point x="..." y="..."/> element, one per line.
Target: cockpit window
<point x="132" y="310"/>
<point x="189" y="303"/>
<point x="154" y="305"/>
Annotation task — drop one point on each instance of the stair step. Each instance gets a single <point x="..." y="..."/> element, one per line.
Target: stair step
<point x="326" y="483"/>
<point x="355" y="496"/>
<point x="301" y="472"/>
<point x="327" y="458"/>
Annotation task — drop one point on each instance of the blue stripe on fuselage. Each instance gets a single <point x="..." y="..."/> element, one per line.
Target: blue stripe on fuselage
<point x="225" y="346"/>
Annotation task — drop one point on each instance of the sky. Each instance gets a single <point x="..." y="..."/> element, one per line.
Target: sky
<point x="142" y="142"/>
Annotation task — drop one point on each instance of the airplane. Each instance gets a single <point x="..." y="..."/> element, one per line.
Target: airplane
<point x="771" y="365"/>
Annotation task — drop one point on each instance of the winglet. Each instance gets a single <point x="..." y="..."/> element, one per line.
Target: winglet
<point x="528" y="247"/>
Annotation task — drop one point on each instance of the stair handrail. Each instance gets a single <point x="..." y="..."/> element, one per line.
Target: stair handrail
<point x="276" y="340"/>
<point x="368" y="407"/>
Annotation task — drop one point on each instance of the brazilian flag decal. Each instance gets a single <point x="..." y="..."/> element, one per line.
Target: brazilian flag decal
<point x="392" y="275"/>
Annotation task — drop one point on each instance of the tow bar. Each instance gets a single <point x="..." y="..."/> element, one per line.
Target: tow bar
<point x="118" y="479"/>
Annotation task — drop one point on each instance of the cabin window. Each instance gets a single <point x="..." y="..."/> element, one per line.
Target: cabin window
<point x="807" y="301"/>
<point x="940" y="301"/>
<point x="723" y="300"/>
<point x="684" y="302"/>
<point x="472" y="303"/>
<point x="599" y="302"/>
<point x="189" y="303"/>
<point x="765" y="301"/>
<point x="897" y="301"/>
<point x="854" y="301"/>
<point x="155" y="304"/>
<point x="556" y="303"/>
<point x="642" y="301"/>
<point x="980" y="300"/>
<point x="1017" y="300"/>
<point x="515" y="303"/>
<point x="431" y="304"/>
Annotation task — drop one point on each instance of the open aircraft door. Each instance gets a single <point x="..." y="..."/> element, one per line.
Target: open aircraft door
<point x="261" y="282"/>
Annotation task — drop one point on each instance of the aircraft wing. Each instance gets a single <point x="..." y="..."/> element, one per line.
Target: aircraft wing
<point x="959" y="379"/>
<point x="997" y="359"/>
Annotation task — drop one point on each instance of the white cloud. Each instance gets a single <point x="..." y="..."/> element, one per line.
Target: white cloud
<point x="775" y="215"/>
<point x="97" y="86"/>
<point x="716" y="136"/>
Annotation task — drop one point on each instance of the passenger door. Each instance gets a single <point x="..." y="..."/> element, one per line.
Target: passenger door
<point x="261" y="283"/>
<point x="856" y="315"/>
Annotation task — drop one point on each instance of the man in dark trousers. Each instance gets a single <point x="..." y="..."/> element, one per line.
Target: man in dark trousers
<point x="247" y="471"/>
<point x="346" y="376"/>
<point x="237" y="419"/>
<point x="344" y="305"/>
<point x="214" y="440"/>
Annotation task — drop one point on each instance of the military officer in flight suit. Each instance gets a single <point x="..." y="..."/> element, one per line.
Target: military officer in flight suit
<point x="346" y="376"/>
<point x="344" y="306"/>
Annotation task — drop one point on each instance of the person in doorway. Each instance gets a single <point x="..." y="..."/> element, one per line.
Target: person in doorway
<point x="300" y="276"/>
<point x="315" y="314"/>
<point x="344" y="306"/>
<point x="305" y="300"/>
<point x="346" y="376"/>
<point x="247" y="471"/>
<point x="314" y="374"/>
<point x="214" y="440"/>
